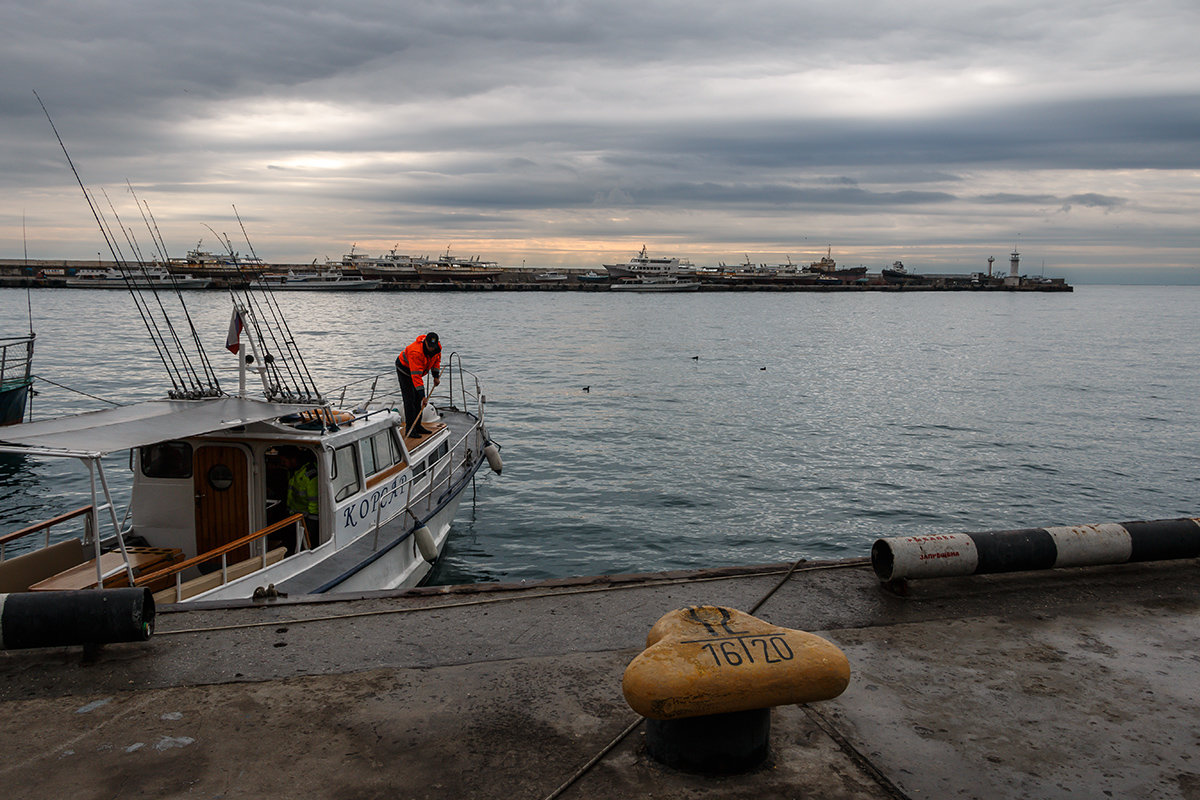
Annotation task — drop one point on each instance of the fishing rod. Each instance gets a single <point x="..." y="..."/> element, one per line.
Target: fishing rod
<point x="307" y="382"/>
<point x="161" y="247"/>
<point x="187" y="374"/>
<point x="258" y="321"/>
<point x="105" y="232"/>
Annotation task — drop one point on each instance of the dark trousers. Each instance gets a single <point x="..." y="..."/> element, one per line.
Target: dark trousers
<point x="412" y="396"/>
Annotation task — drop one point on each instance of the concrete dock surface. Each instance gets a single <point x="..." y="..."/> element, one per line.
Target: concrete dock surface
<point x="1081" y="683"/>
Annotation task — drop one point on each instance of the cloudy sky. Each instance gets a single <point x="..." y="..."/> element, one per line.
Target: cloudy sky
<point x="572" y="133"/>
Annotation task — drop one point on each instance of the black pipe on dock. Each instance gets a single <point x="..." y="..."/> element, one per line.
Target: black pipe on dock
<point x="81" y="617"/>
<point x="957" y="554"/>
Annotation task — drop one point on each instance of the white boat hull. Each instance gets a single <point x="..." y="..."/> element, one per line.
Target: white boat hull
<point x="657" y="286"/>
<point x="109" y="283"/>
<point x="320" y="286"/>
<point x="394" y="565"/>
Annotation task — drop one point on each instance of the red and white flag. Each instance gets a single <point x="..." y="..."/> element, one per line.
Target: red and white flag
<point x="233" y="341"/>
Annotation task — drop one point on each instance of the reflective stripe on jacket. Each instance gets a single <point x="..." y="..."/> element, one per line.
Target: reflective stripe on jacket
<point x="418" y="364"/>
<point x="302" y="490"/>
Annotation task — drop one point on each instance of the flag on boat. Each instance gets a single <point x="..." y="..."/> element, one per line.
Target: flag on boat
<point x="233" y="340"/>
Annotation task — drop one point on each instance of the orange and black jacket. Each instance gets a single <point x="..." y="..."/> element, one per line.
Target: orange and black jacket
<point x="418" y="364"/>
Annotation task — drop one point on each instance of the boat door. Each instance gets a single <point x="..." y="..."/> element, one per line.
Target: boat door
<point x="222" y="487"/>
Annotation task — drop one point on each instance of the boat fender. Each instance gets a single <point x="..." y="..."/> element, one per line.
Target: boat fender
<point x="424" y="539"/>
<point x="429" y="414"/>
<point x="492" y="452"/>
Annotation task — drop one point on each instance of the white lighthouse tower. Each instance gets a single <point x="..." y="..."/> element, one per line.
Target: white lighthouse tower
<point x="1014" y="265"/>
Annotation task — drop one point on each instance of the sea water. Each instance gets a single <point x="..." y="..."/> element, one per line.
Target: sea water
<point x="659" y="432"/>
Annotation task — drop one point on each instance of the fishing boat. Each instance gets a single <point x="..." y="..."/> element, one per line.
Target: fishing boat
<point x="320" y="280"/>
<point x="643" y="265"/>
<point x="591" y="276"/>
<point x="209" y="515"/>
<point x="655" y="283"/>
<point x="16" y="377"/>
<point x="551" y="277"/>
<point x="136" y="276"/>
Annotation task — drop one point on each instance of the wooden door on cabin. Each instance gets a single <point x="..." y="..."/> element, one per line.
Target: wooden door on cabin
<point x="222" y="488"/>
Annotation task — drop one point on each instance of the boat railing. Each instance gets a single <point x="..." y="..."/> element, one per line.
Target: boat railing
<point x="454" y="366"/>
<point x="88" y="512"/>
<point x="222" y="552"/>
<point x="15" y="366"/>
<point x="445" y="462"/>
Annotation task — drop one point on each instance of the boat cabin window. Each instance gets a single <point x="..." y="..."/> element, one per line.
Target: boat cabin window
<point x="345" y="473"/>
<point x="380" y="452"/>
<point x="166" y="460"/>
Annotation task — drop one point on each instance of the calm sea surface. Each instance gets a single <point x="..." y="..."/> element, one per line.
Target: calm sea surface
<point x="719" y="429"/>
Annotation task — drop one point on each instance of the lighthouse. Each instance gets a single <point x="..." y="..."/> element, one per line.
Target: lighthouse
<point x="1014" y="263"/>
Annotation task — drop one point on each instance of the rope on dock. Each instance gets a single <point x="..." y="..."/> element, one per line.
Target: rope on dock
<point x="512" y="598"/>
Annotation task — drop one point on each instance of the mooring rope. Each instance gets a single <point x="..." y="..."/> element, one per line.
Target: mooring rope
<point x="69" y="389"/>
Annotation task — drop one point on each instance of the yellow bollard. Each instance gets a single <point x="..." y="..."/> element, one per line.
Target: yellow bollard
<point x="709" y="676"/>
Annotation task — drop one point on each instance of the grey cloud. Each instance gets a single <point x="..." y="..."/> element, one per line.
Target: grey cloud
<point x="709" y="118"/>
<point x="1092" y="200"/>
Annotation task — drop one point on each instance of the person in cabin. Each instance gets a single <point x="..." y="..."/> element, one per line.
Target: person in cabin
<point x="422" y="357"/>
<point x="302" y="489"/>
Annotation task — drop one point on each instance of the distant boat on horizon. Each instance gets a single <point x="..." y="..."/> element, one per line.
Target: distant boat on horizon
<point x="144" y="278"/>
<point x="643" y="265"/>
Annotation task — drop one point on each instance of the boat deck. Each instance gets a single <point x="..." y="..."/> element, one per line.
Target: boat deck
<point x="1067" y="683"/>
<point x="334" y="567"/>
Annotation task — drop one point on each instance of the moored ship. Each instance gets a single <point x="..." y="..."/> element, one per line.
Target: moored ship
<point x="643" y="265"/>
<point x="136" y="277"/>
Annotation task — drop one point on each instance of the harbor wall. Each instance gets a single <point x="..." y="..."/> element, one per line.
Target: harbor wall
<point x="51" y="273"/>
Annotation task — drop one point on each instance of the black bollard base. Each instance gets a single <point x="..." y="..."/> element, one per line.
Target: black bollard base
<point x="717" y="744"/>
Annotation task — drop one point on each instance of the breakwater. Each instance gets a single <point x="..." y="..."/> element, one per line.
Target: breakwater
<point x="62" y="274"/>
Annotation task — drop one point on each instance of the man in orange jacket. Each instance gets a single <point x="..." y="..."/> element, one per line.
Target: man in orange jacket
<point x="422" y="357"/>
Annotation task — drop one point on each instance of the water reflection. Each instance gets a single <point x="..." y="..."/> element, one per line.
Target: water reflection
<point x="876" y="414"/>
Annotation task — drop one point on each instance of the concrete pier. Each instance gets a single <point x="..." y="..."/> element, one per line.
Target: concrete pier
<point x="1077" y="683"/>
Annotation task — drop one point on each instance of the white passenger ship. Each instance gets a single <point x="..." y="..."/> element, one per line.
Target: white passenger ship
<point x="641" y="265"/>
<point x="138" y="277"/>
